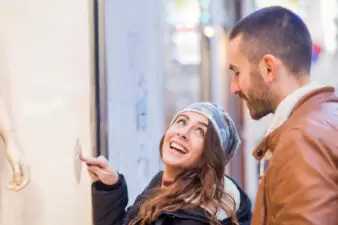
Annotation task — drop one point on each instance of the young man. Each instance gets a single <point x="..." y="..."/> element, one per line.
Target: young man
<point x="270" y="55"/>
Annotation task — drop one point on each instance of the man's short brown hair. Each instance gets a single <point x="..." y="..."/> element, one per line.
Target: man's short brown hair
<point x="277" y="31"/>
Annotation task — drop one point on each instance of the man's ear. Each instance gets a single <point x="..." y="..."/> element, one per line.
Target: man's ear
<point x="268" y="68"/>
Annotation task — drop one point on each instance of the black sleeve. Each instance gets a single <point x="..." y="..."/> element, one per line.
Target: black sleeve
<point x="109" y="202"/>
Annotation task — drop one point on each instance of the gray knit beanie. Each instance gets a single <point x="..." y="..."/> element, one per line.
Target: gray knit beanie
<point x="221" y="122"/>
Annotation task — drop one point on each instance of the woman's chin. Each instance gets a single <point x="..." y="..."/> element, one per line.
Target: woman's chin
<point x="174" y="161"/>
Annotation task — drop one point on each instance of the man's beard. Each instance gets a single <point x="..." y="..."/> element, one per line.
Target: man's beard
<point x="260" y="99"/>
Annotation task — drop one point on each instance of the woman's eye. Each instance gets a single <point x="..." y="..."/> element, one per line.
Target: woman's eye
<point x="181" y="122"/>
<point x="200" y="132"/>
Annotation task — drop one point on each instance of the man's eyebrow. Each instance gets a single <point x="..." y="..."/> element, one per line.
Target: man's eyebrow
<point x="233" y="67"/>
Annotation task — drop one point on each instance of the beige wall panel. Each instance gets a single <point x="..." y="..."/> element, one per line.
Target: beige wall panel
<point x="45" y="82"/>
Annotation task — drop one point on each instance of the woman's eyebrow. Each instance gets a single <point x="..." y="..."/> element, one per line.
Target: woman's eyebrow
<point x="182" y="115"/>
<point x="204" y="124"/>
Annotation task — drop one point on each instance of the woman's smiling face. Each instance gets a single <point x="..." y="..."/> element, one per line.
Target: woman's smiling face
<point x="183" y="142"/>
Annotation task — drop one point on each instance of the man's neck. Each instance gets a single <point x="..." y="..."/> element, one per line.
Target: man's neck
<point x="288" y="86"/>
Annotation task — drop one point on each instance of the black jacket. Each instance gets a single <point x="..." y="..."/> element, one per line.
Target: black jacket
<point x="109" y="203"/>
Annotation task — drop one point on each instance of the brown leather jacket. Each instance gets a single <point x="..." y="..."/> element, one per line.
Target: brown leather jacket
<point x="300" y="185"/>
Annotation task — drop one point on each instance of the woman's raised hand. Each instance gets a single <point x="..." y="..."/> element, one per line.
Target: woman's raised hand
<point x="99" y="170"/>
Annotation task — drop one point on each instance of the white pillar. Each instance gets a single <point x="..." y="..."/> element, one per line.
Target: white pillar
<point x="217" y="50"/>
<point x="134" y="68"/>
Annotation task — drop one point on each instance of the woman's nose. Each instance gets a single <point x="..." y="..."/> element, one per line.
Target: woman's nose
<point x="183" y="133"/>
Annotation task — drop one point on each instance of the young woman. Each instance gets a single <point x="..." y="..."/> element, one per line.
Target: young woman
<point x="191" y="189"/>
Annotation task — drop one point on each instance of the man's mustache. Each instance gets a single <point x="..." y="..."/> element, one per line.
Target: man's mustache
<point x="242" y="96"/>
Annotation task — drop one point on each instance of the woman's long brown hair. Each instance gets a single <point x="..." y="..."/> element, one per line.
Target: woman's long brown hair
<point x="202" y="187"/>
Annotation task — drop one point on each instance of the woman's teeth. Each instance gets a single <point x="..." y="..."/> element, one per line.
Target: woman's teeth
<point x="178" y="148"/>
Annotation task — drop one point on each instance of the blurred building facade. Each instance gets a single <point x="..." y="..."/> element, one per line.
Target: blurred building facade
<point x="196" y="67"/>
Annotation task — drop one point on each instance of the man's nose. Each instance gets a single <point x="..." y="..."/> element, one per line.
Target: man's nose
<point x="234" y="86"/>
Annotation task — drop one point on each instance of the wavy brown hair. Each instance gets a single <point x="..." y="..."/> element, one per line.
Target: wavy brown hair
<point x="202" y="186"/>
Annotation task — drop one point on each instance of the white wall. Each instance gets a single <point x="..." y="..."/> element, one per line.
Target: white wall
<point x="45" y="72"/>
